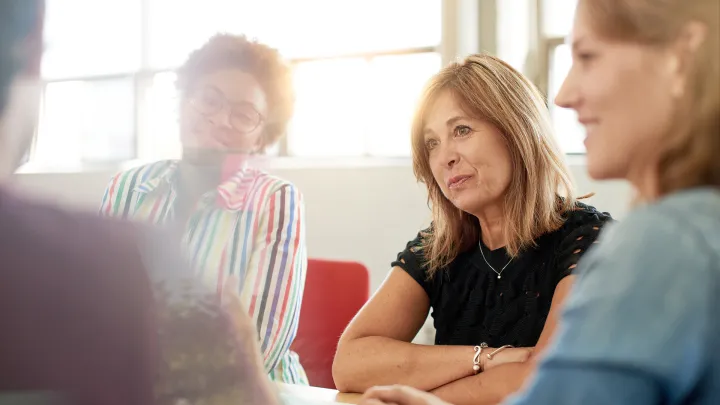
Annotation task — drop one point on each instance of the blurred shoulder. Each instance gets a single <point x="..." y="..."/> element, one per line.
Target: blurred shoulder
<point x="690" y="218"/>
<point x="73" y="241"/>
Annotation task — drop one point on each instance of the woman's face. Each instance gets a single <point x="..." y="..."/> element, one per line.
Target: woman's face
<point x="468" y="157"/>
<point x="623" y="95"/>
<point x="224" y="111"/>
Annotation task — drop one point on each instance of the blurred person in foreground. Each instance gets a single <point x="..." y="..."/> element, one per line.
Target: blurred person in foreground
<point x="498" y="259"/>
<point x="641" y="325"/>
<point x="236" y="99"/>
<point x="98" y="312"/>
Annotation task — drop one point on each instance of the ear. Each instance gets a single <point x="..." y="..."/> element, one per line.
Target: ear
<point x="684" y="52"/>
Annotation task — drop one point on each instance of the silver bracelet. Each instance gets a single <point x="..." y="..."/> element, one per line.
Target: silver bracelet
<point x="476" y="358"/>
<point x="498" y="350"/>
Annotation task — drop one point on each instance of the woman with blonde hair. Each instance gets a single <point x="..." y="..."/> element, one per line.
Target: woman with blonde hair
<point x="641" y="326"/>
<point x="495" y="264"/>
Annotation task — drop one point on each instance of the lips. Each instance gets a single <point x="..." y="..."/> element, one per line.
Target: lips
<point x="457" y="181"/>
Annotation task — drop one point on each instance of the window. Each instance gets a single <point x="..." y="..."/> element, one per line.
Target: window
<point x="109" y="92"/>
<point x="556" y="17"/>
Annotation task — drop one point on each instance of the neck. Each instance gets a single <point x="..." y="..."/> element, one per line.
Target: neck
<point x="646" y="183"/>
<point x="492" y="225"/>
<point x="198" y="178"/>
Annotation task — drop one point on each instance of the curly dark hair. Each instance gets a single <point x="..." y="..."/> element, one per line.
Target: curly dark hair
<point x="224" y="51"/>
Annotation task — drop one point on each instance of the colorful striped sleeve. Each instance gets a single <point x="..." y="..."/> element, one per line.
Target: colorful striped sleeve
<point x="276" y="277"/>
<point x="117" y="197"/>
<point x="110" y="200"/>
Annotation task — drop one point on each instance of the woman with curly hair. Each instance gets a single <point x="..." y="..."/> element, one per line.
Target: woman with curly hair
<point x="236" y="99"/>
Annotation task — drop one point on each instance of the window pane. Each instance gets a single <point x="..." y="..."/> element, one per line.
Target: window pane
<point x="160" y="124"/>
<point x="331" y="110"/>
<point x="177" y="27"/>
<point x="329" y="27"/>
<point x="356" y="107"/>
<point x="396" y="84"/>
<point x="303" y="29"/>
<point x="86" y="122"/>
<point x="558" y="17"/>
<point x="91" y="37"/>
<point x="569" y="132"/>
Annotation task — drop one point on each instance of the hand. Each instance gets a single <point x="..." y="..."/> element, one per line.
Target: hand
<point x="399" y="395"/>
<point x="233" y="306"/>
<point x="510" y="355"/>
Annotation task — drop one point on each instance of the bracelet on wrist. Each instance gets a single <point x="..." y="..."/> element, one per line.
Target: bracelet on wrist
<point x="476" y="358"/>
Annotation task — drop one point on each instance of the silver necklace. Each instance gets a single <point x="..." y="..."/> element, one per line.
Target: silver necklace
<point x="499" y="273"/>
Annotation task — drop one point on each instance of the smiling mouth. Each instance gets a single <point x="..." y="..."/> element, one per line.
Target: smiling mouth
<point x="457" y="181"/>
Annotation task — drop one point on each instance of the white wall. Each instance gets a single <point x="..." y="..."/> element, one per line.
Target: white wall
<point x="360" y="212"/>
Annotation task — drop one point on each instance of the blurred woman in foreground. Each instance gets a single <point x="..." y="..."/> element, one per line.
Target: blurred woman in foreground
<point x="641" y="324"/>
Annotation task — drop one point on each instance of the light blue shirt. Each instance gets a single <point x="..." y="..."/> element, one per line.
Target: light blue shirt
<point x="642" y="324"/>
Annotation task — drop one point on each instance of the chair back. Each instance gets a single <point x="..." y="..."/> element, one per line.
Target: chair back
<point x="334" y="292"/>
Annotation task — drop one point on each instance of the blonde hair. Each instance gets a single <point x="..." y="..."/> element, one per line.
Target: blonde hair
<point x="540" y="189"/>
<point x="690" y="148"/>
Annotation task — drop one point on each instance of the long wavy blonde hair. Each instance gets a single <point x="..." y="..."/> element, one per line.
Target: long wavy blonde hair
<point x="691" y="146"/>
<point x="540" y="189"/>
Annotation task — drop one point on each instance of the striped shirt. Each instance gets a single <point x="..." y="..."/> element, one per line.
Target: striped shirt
<point x="252" y="226"/>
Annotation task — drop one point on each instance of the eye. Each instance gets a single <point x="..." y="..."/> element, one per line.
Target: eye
<point x="211" y="99"/>
<point x="585" y="57"/>
<point x="462" y="130"/>
<point x="430" y="144"/>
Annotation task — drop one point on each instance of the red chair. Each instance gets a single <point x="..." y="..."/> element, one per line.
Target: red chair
<point x="334" y="292"/>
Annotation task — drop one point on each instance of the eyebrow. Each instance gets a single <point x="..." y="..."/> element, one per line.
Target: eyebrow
<point x="450" y="122"/>
<point x="454" y="119"/>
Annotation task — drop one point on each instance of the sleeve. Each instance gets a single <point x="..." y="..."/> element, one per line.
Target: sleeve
<point x="576" y="243"/>
<point x="275" y="280"/>
<point x="114" y="197"/>
<point x="412" y="260"/>
<point x="613" y="345"/>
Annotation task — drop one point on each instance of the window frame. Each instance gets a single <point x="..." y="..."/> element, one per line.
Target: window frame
<point x="545" y="47"/>
<point x="143" y="77"/>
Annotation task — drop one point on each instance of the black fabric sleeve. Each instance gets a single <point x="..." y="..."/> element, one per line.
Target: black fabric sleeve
<point x="412" y="261"/>
<point x="582" y="233"/>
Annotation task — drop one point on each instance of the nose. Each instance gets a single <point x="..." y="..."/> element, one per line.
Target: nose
<point x="568" y="95"/>
<point x="222" y="118"/>
<point x="449" y="155"/>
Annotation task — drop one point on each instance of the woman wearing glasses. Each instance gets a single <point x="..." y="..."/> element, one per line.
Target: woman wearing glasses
<point x="238" y="223"/>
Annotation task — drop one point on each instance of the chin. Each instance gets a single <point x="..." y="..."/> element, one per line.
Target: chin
<point x="467" y="203"/>
<point x="600" y="168"/>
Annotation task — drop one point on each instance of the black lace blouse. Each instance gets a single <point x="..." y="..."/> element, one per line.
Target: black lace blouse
<point x="471" y="304"/>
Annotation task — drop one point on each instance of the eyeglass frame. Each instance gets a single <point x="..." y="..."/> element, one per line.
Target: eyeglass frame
<point x="194" y="100"/>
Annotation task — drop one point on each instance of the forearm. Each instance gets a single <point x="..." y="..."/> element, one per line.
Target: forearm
<point x="487" y="388"/>
<point x="375" y="360"/>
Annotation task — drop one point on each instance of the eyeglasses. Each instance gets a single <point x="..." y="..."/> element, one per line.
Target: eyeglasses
<point x="244" y="118"/>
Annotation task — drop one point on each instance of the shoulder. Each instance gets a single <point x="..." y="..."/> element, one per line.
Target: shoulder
<point x="581" y="227"/>
<point x="583" y="215"/>
<point x="412" y="259"/>
<point x="272" y="184"/>
<point x="577" y="235"/>
<point x="684" y="224"/>
<point x="658" y="247"/>
<point x="145" y="172"/>
<point x="77" y="242"/>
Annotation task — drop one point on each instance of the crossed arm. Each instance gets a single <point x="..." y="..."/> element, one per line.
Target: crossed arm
<point x="376" y="350"/>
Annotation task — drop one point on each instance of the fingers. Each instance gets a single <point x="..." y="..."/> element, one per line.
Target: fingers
<point x="400" y="395"/>
<point x="373" y="402"/>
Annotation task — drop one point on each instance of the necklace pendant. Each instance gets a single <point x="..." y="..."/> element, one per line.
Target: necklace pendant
<point x="499" y="277"/>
